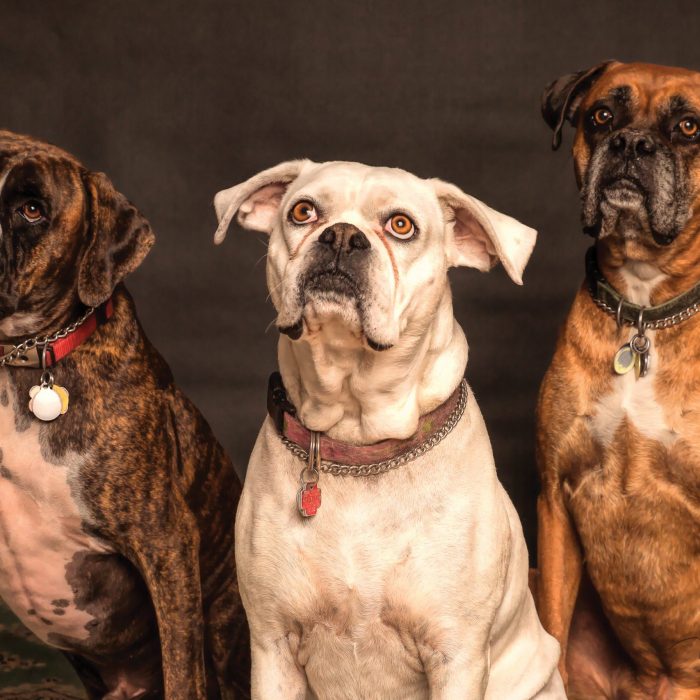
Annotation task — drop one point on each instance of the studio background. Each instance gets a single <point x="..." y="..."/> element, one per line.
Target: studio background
<point x="177" y="100"/>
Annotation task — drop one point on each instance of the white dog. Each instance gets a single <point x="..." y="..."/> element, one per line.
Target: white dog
<point x="409" y="579"/>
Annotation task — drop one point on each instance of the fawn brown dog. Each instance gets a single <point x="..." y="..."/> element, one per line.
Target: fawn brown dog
<point x="619" y="423"/>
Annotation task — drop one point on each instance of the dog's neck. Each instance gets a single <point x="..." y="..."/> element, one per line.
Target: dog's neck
<point x="341" y="387"/>
<point x="649" y="275"/>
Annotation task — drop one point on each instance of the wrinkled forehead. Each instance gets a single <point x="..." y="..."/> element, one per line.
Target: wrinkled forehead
<point x="39" y="164"/>
<point x="52" y="179"/>
<point x="353" y="186"/>
<point x="649" y="90"/>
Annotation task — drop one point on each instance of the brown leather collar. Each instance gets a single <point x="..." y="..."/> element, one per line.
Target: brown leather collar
<point x="288" y="425"/>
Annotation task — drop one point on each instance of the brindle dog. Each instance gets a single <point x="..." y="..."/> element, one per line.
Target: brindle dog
<point x="117" y="518"/>
<point x="619" y="512"/>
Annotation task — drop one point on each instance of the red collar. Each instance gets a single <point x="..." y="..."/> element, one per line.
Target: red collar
<point x="288" y="425"/>
<point x="58" y="349"/>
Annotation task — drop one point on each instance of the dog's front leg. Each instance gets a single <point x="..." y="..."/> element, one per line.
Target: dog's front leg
<point x="560" y="564"/>
<point x="275" y="672"/>
<point x="168" y="558"/>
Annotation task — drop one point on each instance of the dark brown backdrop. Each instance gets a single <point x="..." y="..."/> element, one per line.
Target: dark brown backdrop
<point x="176" y="100"/>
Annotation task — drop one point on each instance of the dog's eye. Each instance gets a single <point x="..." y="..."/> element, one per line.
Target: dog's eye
<point x="303" y="212"/>
<point x="688" y="127"/>
<point x="400" y="226"/>
<point x="602" y="116"/>
<point x="31" y="212"/>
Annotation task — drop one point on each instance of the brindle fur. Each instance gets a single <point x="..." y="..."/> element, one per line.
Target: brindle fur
<point x="625" y="517"/>
<point x="158" y="486"/>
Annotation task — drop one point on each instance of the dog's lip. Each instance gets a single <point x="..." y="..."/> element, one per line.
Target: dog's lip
<point x="330" y="273"/>
<point x="623" y="183"/>
<point x="623" y="192"/>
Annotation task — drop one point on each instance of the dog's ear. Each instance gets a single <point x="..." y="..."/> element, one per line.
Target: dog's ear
<point x="563" y="96"/>
<point x="256" y="201"/>
<point x="119" y="239"/>
<point x="478" y="236"/>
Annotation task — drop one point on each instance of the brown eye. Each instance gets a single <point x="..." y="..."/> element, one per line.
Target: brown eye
<point x="400" y="226"/>
<point x="303" y="212"/>
<point x="602" y="116"/>
<point x="688" y="127"/>
<point x="31" y="212"/>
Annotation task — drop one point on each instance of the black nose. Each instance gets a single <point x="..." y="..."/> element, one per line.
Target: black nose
<point x="632" y="144"/>
<point x="345" y="237"/>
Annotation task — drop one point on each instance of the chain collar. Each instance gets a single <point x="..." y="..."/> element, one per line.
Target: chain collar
<point x="26" y="353"/>
<point x="665" y="315"/>
<point x="376" y="468"/>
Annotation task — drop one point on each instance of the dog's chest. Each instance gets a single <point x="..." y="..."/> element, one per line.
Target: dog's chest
<point x="633" y="401"/>
<point x="341" y="585"/>
<point x="640" y="485"/>
<point x="40" y="528"/>
<point x="645" y="434"/>
<point x="370" y="587"/>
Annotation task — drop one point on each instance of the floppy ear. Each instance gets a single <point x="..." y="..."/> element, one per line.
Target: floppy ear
<point x="562" y="97"/>
<point x="120" y="238"/>
<point x="257" y="200"/>
<point x="478" y="236"/>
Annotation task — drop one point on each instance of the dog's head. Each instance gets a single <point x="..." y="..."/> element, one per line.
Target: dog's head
<point x="67" y="237"/>
<point x="636" y="149"/>
<point x="370" y="246"/>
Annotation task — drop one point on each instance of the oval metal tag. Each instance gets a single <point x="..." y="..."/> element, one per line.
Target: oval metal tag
<point x="625" y="359"/>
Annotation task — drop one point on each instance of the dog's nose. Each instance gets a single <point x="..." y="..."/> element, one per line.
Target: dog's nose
<point x="632" y="144"/>
<point x="346" y="237"/>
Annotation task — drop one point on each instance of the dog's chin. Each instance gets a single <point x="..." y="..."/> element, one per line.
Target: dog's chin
<point x="322" y="306"/>
<point x="14" y="324"/>
<point x="622" y="214"/>
<point x="332" y="305"/>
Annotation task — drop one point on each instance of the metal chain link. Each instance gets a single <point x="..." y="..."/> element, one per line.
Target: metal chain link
<point x="39" y="340"/>
<point x="388" y="464"/>
<point x="660" y="323"/>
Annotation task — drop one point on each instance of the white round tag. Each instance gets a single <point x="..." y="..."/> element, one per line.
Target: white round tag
<point x="45" y="404"/>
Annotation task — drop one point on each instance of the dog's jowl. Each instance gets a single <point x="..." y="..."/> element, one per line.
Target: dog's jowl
<point x="619" y="426"/>
<point x="116" y="501"/>
<point x="379" y="557"/>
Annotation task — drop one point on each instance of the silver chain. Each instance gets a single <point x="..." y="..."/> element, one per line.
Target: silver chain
<point x="388" y="464"/>
<point x="43" y="340"/>
<point x="660" y="323"/>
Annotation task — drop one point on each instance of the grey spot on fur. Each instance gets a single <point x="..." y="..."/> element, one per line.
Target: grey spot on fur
<point x="60" y="603"/>
<point x="22" y="419"/>
<point x="59" y="611"/>
<point x="4" y="398"/>
<point x="45" y="621"/>
<point x="5" y="473"/>
<point x="31" y="611"/>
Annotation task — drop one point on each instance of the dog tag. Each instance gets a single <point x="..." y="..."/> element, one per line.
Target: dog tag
<point x="640" y="345"/>
<point x="45" y="403"/>
<point x="65" y="397"/>
<point x="641" y="365"/>
<point x="625" y="359"/>
<point x="309" y="499"/>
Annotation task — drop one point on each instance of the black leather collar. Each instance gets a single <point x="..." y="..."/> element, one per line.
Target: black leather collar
<point x="664" y="315"/>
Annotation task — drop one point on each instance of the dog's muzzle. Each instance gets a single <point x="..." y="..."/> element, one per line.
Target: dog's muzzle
<point x="339" y="262"/>
<point x="634" y="174"/>
<point x="338" y="272"/>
